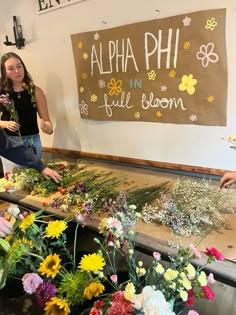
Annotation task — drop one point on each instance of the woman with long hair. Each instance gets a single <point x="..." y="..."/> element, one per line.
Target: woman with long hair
<point x="25" y="101"/>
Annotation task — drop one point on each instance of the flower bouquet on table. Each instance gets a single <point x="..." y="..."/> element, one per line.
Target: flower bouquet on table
<point x="38" y="253"/>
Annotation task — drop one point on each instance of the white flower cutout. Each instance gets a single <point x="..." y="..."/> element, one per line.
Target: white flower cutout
<point x="101" y="83"/>
<point x="193" y="117"/>
<point x="206" y="54"/>
<point x="96" y="36"/>
<point x="83" y="107"/>
<point x="186" y="21"/>
<point x="163" y="88"/>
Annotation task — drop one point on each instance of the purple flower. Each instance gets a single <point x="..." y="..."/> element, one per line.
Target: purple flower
<point x="44" y="292"/>
<point x="31" y="281"/>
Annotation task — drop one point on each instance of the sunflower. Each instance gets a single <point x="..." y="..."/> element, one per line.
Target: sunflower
<point x="92" y="262"/>
<point x="93" y="290"/>
<point x="50" y="266"/>
<point x="56" y="306"/>
<point x="27" y="221"/>
<point x="55" y="228"/>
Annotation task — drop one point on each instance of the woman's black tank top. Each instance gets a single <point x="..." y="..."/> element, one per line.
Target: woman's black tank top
<point x="27" y="113"/>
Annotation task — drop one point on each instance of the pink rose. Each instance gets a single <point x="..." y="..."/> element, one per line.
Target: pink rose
<point x="156" y="255"/>
<point x="113" y="278"/>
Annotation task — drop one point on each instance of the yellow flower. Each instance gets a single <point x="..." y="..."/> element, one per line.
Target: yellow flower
<point x="27" y="221"/>
<point x="159" y="269"/>
<point x="211" y="24"/>
<point x="187" y="45"/>
<point x="93" y="290"/>
<point x="55" y="228"/>
<point x="191" y="271"/>
<point x="170" y="274"/>
<point x="202" y="279"/>
<point x="92" y="262"/>
<point x="50" y="266"/>
<point x="22" y="241"/>
<point x="183" y="295"/>
<point x="186" y="284"/>
<point x="187" y="84"/>
<point x="56" y="306"/>
<point x="129" y="291"/>
<point x="158" y="114"/>
<point x="115" y="87"/>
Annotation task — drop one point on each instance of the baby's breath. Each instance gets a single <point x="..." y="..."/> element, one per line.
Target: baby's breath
<point x="191" y="207"/>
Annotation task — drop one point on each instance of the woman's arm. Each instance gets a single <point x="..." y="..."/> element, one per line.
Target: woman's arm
<point x="19" y="154"/>
<point x="46" y="124"/>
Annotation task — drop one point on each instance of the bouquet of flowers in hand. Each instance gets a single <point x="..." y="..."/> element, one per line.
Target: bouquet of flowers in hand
<point x="9" y="104"/>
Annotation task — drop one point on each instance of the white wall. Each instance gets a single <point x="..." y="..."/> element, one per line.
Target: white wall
<point x="49" y="58"/>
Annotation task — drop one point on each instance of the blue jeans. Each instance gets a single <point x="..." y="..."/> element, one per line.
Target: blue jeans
<point x="33" y="140"/>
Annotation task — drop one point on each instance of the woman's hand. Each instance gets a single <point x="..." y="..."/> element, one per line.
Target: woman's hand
<point x="5" y="227"/>
<point x="12" y="125"/>
<point x="228" y="179"/>
<point x="46" y="127"/>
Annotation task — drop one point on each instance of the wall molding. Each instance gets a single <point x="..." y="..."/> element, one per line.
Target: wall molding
<point x="140" y="162"/>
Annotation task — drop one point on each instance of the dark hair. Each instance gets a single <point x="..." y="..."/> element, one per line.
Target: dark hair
<point x="6" y="83"/>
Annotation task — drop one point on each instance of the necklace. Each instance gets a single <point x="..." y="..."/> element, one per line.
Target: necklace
<point x="18" y="95"/>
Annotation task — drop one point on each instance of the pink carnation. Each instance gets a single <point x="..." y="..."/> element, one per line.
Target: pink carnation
<point x="31" y="281"/>
<point x="195" y="251"/>
<point x="212" y="251"/>
<point x="208" y="293"/>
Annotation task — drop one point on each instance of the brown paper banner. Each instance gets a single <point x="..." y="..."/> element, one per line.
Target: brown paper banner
<point x="170" y="70"/>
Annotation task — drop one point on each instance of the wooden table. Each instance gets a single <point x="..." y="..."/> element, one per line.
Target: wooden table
<point x="150" y="237"/>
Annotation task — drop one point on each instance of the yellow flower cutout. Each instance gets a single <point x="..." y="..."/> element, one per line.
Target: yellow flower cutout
<point x="80" y="45"/>
<point x="81" y="89"/>
<point x="27" y="222"/>
<point x="129" y="291"/>
<point x="187" y="84"/>
<point x="172" y="74"/>
<point x="210" y="99"/>
<point x="56" y="306"/>
<point x="84" y="75"/>
<point x="187" y="45"/>
<point x="91" y="262"/>
<point x="115" y="87"/>
<point x="137" y="115"/>
<point x="93" y="290"/>
<point x="85" y="56"/>
<point x="50" y="266"/>
<point x="231" y="138"/>
<point x="158" y="114"/>
<point x="211" y="24"/>
<point x="94" y="98"/>
<point x="55" y="228"/>
<point x="152" y="75"/>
